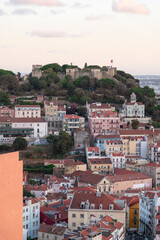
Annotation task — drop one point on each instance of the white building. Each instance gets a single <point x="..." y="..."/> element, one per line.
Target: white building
<point x="118" y="160"/>
<point x="98" y="106"/>
<point x="154" y="152"/>
<point x="133" y="108"/>
<point x="38" y="126"/>
<point x="27" y="111"/>
<point x="149" y="214"/>
<point x="31" y="217"/>
<point x="72" y="122"/>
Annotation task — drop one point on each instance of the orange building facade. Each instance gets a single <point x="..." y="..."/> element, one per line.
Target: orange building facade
<point x="11" y="200"/>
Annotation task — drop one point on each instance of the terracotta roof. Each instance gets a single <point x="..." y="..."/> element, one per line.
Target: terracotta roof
<point x="126" y="175"/>
<point x="103" y="114"/>
<point x="153" y="164"/>
<point x="27" y="106"/>
<point x="56" y="230"/>
<point x="130" y="103"/>
<point x="99" y="106"/>
<point x="79" y="173"/>
<point x="133" y="156"/>
<point x="104" y="199"/>
<point x="93" y="149"/>
<point x="81" y="189"/>
<point x="91" y="178"/>
<point x="100" y="160"/>
<point x="108" y="136"/>
<point x="73" y="117"/>
<point x="150" y="194"/>
<point x="60" y="108"/>
<point x="75" y="163"/>
<point x="117" y="154"/>
<point x="136" y="132"/>
<point x="21" y="120"/>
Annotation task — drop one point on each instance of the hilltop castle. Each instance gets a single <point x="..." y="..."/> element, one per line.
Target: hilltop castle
<point x="75" y="72"/>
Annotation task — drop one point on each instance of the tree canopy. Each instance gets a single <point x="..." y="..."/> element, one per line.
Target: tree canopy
<point x="19" y="144"/>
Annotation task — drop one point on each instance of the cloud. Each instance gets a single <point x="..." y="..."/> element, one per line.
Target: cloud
<point x="37" y="2"/>
<point x="23" y="12"/>
<point x="53" y="34"/>
<point x="130" y="6"/>
<point x="95" y="17"/>
<point x="2" y="12"/>
<point x="80" y="5"/>
<point x="56" y="12"/>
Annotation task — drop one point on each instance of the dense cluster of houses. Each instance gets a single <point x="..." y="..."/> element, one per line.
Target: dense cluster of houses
<point x="116" y="191"/>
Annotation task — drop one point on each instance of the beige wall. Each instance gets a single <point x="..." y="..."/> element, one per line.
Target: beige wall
<point x="99" y="167"/>
<point x="44" y="236"/>
<point x="11" y="201"/>
<point x="118" y="187"/>
<point x="73" y="168"/>
<point x="24" y="112"/>
<point x="118" y="214"/>
<point x="129" y="147"/>
<point x="153" y="172"/>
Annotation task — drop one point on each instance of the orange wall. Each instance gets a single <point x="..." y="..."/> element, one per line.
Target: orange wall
<point x="11" y="197"/>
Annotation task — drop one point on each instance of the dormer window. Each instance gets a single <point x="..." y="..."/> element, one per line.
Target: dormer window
<point x="111" y="206"/>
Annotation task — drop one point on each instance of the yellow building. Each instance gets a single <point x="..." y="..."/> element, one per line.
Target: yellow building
<point x="129" y="146"/>
<point x="100" y="164"/>
<point x="86" y="204"/>
<point x="133" y="209"/>
<point x="75" y="166"/>
<point x="132" y="220"/>
<point x="113" y="146"/>
<point x="51" y="109"/>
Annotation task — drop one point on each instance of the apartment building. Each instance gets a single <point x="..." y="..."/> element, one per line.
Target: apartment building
<point x="100" y="165"/>
<point x="154" y="152"/>
<point x="27" y="111"/>
<point x="123" y="180"/>
<point x="98" y="106"/>
<point x="100" y="140"/>
<point x="6" y="111"/>
<point x="54" y="115"/>
<point x="51" y="232"/>
<point x="99" y="229"/>
<point x="152" y="170"/>
<point x="31" y="217"/>
<point x="11" y="201"/>
<point x="85" y="205"/>
<point x="25" y="127"/>
<point x="147" y="214"/>
<point x="72" y="122"/>
<point x="103" y="122"/>
<point x="113" y="146"/>
<point x="118" y="160"/>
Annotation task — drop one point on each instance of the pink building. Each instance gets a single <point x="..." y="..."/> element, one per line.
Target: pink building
<point x="103" y="122"/>
<point x="6" y="111"/>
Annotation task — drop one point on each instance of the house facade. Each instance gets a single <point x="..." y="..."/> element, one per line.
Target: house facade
<point x="27" y="111"/>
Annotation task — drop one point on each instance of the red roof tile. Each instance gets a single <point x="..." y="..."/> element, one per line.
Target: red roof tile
<point x="105" y="200"/>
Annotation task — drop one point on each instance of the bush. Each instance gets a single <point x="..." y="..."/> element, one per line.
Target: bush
<point x="19" y="144"/>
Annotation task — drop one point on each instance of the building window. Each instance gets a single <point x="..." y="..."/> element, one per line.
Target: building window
<point x="135" y="212"/>
<point x="73" y="215"/>
<point x="81" y="215"/>
<point x="73" y="224"/>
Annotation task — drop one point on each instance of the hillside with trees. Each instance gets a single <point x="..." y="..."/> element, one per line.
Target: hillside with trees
<point x="111" y="89"/>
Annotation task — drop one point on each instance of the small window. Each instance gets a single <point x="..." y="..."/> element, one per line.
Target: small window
<point x="81" y="215"/>
<point x="73" y="224"/>
<point x="73" y="215"/>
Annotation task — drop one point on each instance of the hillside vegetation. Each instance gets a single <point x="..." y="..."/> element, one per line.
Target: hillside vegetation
<point x="112" y="90"/>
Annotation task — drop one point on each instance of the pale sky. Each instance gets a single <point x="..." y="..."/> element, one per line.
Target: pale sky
<point x="92" y="31"/>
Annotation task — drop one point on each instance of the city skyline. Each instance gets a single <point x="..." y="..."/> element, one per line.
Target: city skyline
<point x="65" y="31"/>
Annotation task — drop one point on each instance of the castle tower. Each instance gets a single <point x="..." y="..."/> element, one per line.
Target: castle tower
<point x="133" y="98"/>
